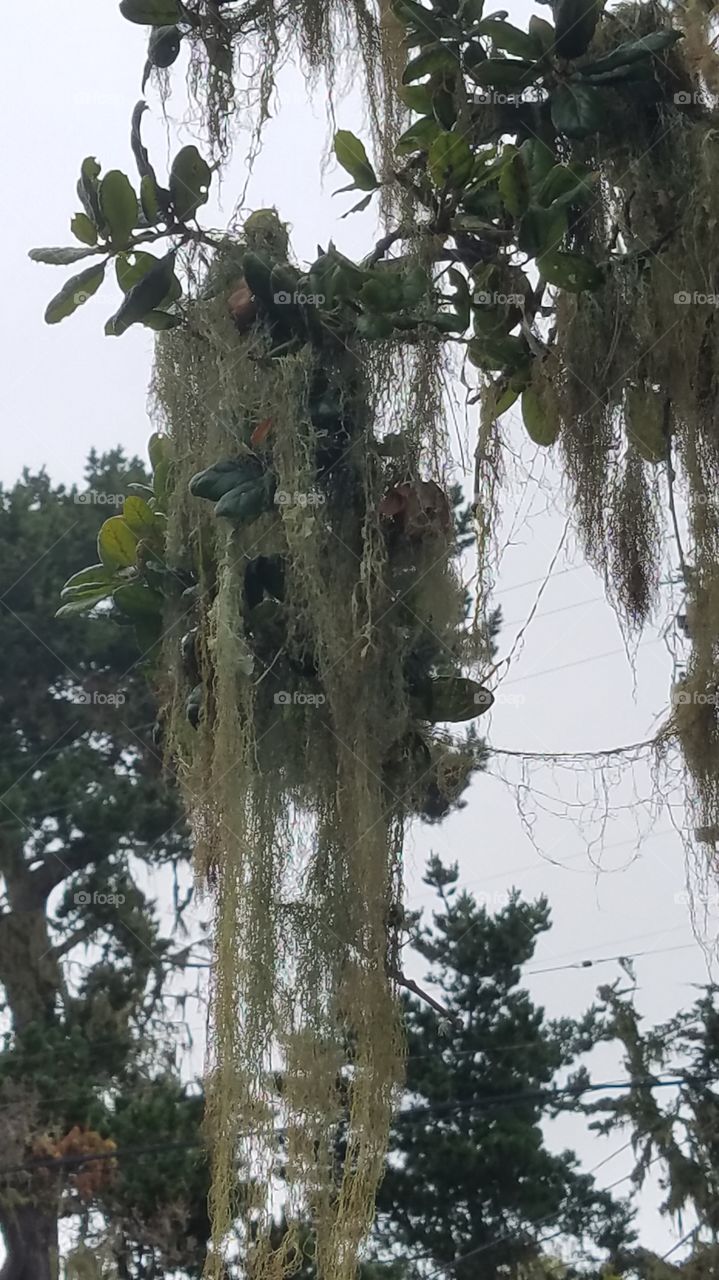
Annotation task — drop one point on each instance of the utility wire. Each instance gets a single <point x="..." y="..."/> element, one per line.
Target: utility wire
<point x="590" y="964"/>
<point x="478" y="1103"/>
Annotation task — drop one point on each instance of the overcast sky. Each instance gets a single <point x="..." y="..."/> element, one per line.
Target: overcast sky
<point x="70" y="80"/>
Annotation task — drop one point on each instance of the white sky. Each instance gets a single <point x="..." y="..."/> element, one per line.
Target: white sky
<point x="70" y="76"/>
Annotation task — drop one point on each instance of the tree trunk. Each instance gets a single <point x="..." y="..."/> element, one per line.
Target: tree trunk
<point x="30" y="1237"/>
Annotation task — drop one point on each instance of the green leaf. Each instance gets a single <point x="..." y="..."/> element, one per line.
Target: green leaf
<point x="139" y="517"/>
<point x="373" y="326"/>
<point x="88" y="190"/>
<point x="504" y="73"/>
<point x="424" y="21"/>
<point x="82" y="604"/>
<point x="543" y="35"/>
<point x="444" y="107"/>
<point x="138" y="601"/>
<point x="567" y="184"/>
<point x="542" y="231"/>
<point x="505" y="400"/>
<point x="542" y="428"/>
<point x="382" y="292"/>
<point x="161" y="321"/>
<point x="570" y="271"/>
<point x="452" y="699"/>
<point x="461" y="299"/>
<point x="644" y="425"/>
<point x="149" y="200"/>
<point x="492" y="353"/>
<point x="96" y="575"/>
<point x="426" y="63"/>
<point x="417" y="97"/>
<point x="84" y="229"/>
<point x="116" y="544"/>
<point x="514" y="185"/>
<point x="450" y="160"/>
<point x="504" y="36"/>
<point x="74" y="292"/>
<point x="164" y="46"/>
<point x="162" y="483"/>
<point x="577" y="110"/>
<point x="418" y="137"/>
<point x="360" y="205"/>
<point x="150" y="292"/>
<point x="415" y="286"/>
<point x="158" y="449"/>
<point x="119" y="206"/>
<point x="60" y="257"/>
<point x="151" y="13"/>
<point x="633" y="51"/>
<point x="351" y="154"/>
<point x="575" y="21"/>
<point x="88" y="595"/>
<point x="190" y="179"/>
<point x="635" y="71"/>
<point x="131" y="268"/>
<point x="539" y="159"/>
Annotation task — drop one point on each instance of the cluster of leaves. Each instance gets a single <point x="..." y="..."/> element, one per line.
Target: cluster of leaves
<point x="169" y="22"/>
<point x="488" y="158"/>
<point x="131" y="573"/>
<point x="498" y="111"/>
<point x="115" y="221"/>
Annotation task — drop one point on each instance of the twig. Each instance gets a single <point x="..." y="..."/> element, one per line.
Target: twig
<point x="670" y="482"/>
<point x="410" y="985"/>
<point x="383" y="245"/>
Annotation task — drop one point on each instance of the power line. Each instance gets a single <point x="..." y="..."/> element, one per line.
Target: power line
<point x="504" y="591"/>
<point x="595" y="657"/>
<point x="549" y="613"/>
<point x="590" y="964"/>
<point x="484" y="1104"/>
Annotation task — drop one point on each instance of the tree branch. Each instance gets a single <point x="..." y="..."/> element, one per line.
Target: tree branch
<point x="410" y="985"/>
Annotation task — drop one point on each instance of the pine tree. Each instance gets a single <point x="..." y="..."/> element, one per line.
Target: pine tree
<point x="470" y="1174"/>
<point x="88" y="1060"/>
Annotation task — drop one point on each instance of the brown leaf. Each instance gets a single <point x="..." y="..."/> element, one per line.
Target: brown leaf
<point x="241" y="305"/>
<point x="418" y="506"/>
<point x="261" y="431"/>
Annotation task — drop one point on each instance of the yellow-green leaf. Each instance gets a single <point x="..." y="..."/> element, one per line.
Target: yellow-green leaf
<point x="450" y="160"/>
<point x="351" y="154"/>
<point x="116" y="544"/>
<point x="542" y="427"/>
<point x="139" y="517"/>
<point x="119" y="207"/>
<point x="84" y="229"/>
<point x="190" y="179"/>
<point x="73" y="293"/>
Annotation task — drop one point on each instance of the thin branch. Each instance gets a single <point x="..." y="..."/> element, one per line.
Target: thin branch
<point x="410" y="985"/>
<point x="671" y="477"/>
